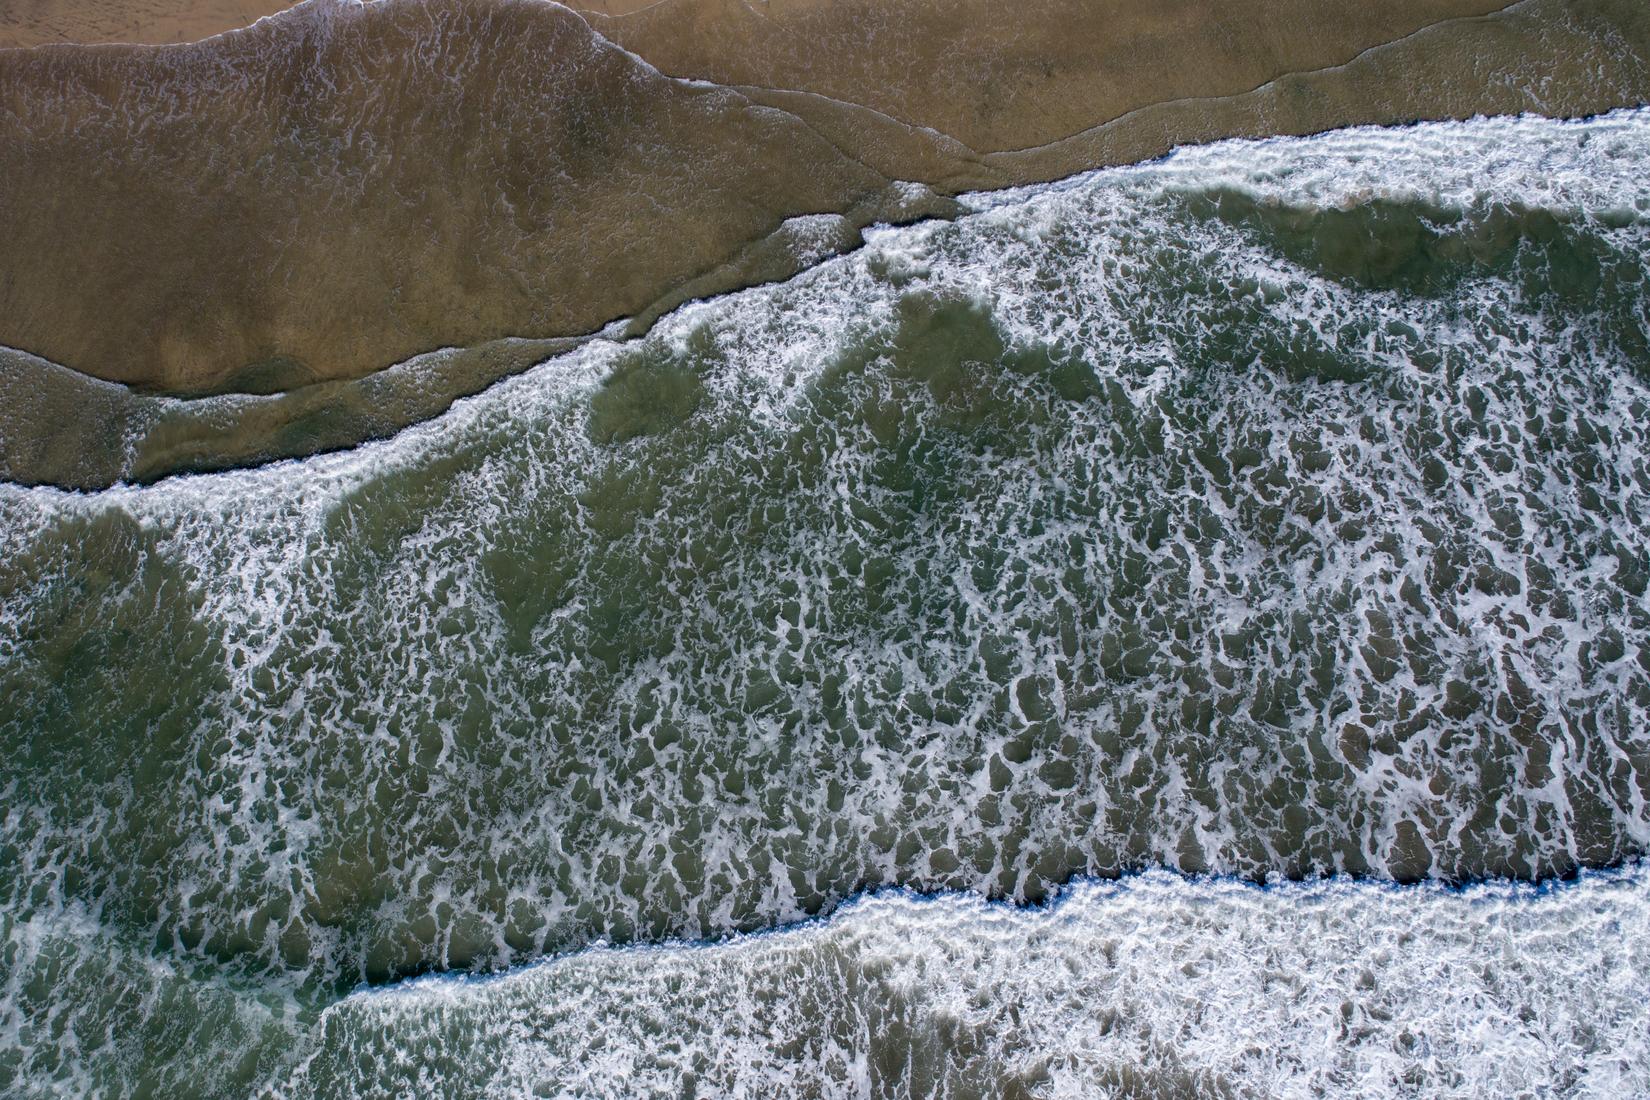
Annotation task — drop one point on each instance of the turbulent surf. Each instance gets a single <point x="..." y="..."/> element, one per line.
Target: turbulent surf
<point x="1273" y="511"/>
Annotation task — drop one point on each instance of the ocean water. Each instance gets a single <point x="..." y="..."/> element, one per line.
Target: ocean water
<point x="1218" y="585"/>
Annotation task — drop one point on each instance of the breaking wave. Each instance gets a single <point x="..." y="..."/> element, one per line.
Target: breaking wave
<point x="1274" y="510"/>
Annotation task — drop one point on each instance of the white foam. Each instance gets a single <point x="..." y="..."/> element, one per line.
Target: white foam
<point x="1578" y="165"/>
<point x="372" y="691"/>
<point x="1155" y="985"/>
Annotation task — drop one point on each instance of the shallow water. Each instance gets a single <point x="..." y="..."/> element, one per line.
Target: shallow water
<point x="1274" y="510"/>
<point x="1152" y="987"/>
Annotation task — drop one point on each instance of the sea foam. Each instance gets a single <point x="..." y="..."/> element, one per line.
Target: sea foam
<point x="1155" y="985"/>
<point x="1277" y="509"/>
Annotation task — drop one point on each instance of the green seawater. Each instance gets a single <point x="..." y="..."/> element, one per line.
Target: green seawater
<point x="1274" y="511"/>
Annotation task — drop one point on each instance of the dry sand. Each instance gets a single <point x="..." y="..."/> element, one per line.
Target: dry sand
<point x="340" y="187"/>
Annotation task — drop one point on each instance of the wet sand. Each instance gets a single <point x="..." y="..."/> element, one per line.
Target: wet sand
<point x="999" y="76"/>
<point x="42" y="22"/>
<point x="341" y="188"/>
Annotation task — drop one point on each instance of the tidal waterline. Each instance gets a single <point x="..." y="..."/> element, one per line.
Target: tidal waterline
<point x="1273" y="510"/>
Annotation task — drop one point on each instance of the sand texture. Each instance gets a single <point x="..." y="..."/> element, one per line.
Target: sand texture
<point x="43" y="22"/>
<point x="340" y="188"/>
<point x="999" y="76"/>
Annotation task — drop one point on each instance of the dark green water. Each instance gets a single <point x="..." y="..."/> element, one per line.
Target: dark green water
<point x="1275" y="511"/>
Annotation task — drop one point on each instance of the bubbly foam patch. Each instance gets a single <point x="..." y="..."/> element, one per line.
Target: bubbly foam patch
<point x="1273" y="510"/>
<point x="1155" y="986"/>
<point x="83" y="1014"/>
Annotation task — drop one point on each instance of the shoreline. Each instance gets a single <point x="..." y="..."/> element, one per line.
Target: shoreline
<point x="105" y="434"/>
<point x="1185" y="555"/>
<point x="247" y="215"/>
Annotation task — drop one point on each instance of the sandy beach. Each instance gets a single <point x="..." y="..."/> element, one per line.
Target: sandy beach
<point x="43" y="22"/>
<point x="342" y="187"/>
<point x="937" y="549"/>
